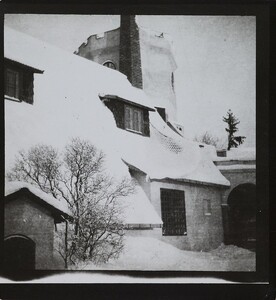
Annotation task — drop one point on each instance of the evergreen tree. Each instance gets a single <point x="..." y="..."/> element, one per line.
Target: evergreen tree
<point x="232" y="122"/>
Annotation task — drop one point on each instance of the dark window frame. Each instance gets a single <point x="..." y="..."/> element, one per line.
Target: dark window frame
<point x="174" y="220"/>
<point x="12" y="84"/>
<point x="130" y="123"/>
<point x="22" y="89"/>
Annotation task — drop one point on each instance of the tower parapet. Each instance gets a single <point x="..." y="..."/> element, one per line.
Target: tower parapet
<point x="144" y="56"/>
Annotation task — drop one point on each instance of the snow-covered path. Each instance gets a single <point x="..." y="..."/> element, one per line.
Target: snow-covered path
<point x="143" y="253"/>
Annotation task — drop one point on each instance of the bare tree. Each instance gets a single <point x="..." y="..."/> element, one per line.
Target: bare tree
<point x="208" y="139"/>
<point x="93" y="197"/>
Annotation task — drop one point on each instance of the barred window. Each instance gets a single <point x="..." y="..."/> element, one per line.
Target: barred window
<point x="173" y="212"/>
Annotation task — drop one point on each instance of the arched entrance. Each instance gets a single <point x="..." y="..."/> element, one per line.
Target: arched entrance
<point x="242" y="216"/>
<point x="19" y="253"/>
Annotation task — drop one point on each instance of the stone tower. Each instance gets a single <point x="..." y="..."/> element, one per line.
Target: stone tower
<point x="144" y="56"/>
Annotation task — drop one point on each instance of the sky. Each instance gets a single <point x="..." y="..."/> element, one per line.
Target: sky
<point x="215" y="56"/>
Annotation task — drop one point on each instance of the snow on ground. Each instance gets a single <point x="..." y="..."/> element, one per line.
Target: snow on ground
<point x="144" y="253"/>
<point x="90" y="277"/>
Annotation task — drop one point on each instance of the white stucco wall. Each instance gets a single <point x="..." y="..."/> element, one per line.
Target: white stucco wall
<point x="158" y="63"/>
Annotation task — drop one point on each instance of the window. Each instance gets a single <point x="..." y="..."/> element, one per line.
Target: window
<point x="12" y="83"/>
<point x="133" y="118"/>
<point x="19" y="84"/>
<point x="207" y="207"/>
<point x="110" y="65"/>
<point x="19" y="81"/>
<point x="172" y="81"/>
<point x="173" y="212"/>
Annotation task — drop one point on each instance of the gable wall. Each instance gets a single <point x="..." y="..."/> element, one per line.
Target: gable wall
<point x="24" y="216"/>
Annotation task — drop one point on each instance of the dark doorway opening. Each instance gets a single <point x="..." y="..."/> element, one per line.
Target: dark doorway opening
<point x="19" y="253"/>
<point x="242" y="216"/>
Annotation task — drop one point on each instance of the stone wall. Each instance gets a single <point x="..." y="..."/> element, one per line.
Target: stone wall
<point x="102" y="48"/>
<point x="237" y="177"/>
<point x="24" y="216"/>
<point x="204" y="232"/>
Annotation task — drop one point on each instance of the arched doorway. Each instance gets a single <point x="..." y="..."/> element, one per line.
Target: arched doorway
<point x="19" y="253"/>
<point x="242" y="216"/>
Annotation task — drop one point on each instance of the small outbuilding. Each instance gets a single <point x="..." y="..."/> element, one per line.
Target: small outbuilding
<point x="30" y="218"/>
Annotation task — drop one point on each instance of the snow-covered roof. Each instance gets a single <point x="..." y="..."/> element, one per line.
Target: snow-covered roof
<point x="241" y="153"/>
<point x="67" y="105"/>
<point x="167" y="155"/>
<point x="133" y="96"/>
<point x="237" y="167"/>
<point x="140" y="210"/>
<point x="22" y="64"/>
<point x="12" y="187"/>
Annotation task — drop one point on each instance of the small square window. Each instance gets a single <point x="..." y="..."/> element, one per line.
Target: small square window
<point x="207" y="207"/>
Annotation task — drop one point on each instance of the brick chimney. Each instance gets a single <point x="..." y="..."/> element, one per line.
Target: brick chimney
<point x="130" y="56"/>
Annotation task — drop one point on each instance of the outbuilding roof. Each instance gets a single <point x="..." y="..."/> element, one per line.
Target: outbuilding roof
<point x="12" y="187"/>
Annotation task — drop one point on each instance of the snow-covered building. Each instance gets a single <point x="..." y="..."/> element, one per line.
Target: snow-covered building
<point x="180" y="190"/>
<point x="146" y="58"/>
<point x="30" y="218"/>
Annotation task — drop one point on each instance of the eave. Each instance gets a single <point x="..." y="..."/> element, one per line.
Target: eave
<point x="19" y="64"/>
<point x="114" y="97"/>
<point x="58" y="215"/>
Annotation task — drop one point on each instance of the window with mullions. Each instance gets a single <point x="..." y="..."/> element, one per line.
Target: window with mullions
<point x="133" y="118"/>
<point x="173" y="212"/>
<point x="12" y="83"/>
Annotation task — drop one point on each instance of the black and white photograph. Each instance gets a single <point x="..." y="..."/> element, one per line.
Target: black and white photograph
<point x="130" y="143"/>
